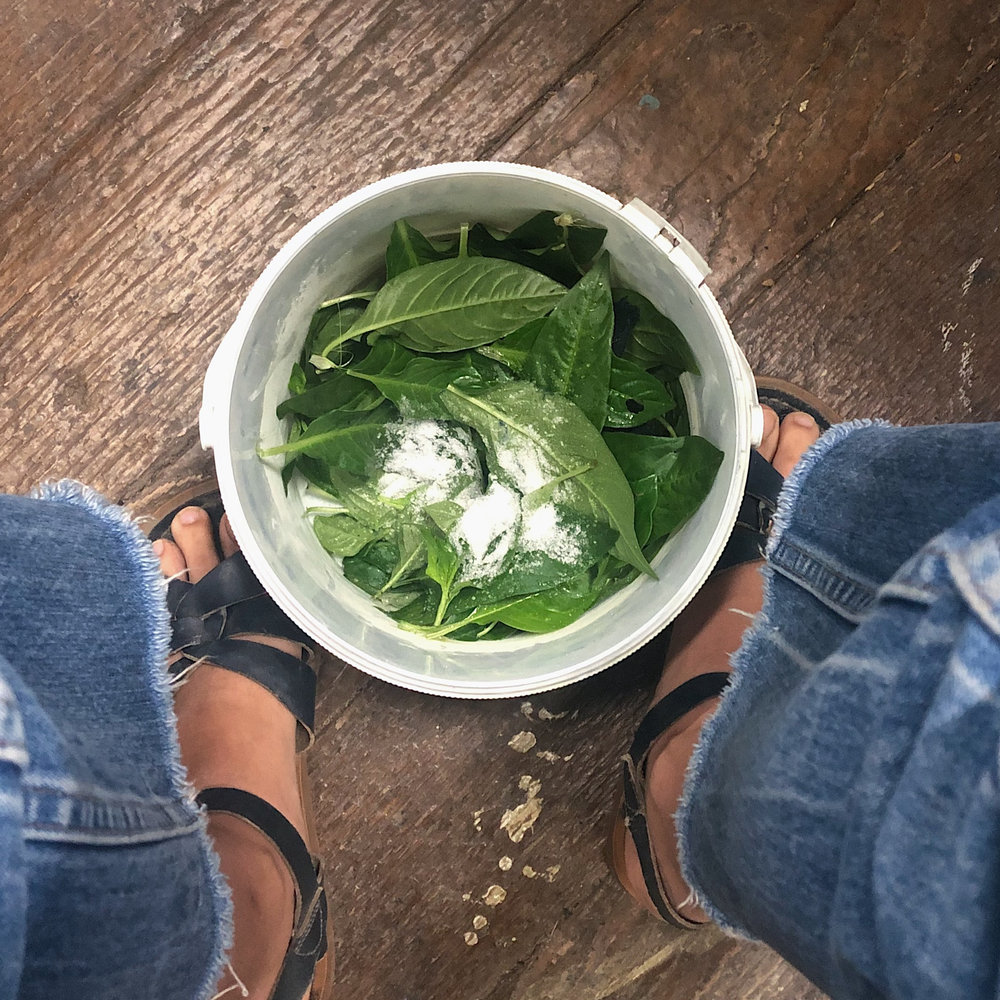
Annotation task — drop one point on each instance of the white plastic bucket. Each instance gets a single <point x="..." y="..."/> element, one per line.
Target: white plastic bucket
<point x="332" y="254"/>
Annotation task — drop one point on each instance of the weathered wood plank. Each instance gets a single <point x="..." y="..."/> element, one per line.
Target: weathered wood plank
<point x="413" y="792"/>
<point x="892" y="312"/>
<point x="179" y="144"/>
<point x="144" y="243"/>
<point x="67" y="71"/>
<point x="769" y="119"/>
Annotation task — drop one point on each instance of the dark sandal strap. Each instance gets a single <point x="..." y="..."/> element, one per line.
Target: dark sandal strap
<point x="308" y="942"/>
<point x="658" y="720"/>
<point x="753" y="522"/>
<point x="230" y="588"/>
<point x="290" y="679"/>
<point x="209" y="617"/>
<point x="784" y="398"/>
<point x="209" y="501"/>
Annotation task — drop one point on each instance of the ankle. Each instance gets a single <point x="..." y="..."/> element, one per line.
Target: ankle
<point x="263" y="903"/>
<point x="234" y="733"/>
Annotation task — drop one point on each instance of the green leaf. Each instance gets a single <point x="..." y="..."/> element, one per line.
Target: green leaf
<point x="412" y="557"/>
<point x="337" y="391"/>
<point x="444" y="513"/>
<point x="645" y="493"/>
<point x="684" y="469"/>
<point x="515" y="349"/>
<point x="287" y="471"/>
<point x="416" y="603"/>
<point x="555" y="244"/>
<point x="572" y="352"/>
<point x="677" y="418"/>
<point x="542" y="612"/>
<point x="527" y="569"/>
<point x="413" y="382"/>
<point x="344" y="440"/>
<point x="614" y="575"/>
<point x="395" y="600"/>
<point x="328" y="326"/>
<point x="363" y="501"/>
<point x="655" y="341"/>
<point x="451" y="305"/>
<point x="341" y="535"/>
<point x="442" y="567"/>
<point x="371" y="568"/>
<point x="635" y="396"/>
<point x="518" y="415"/>
<point x="297" y="380"/>
<point x="409" y="248"/>
<point x="551" y="609"/>
<point x="290" y="467"/>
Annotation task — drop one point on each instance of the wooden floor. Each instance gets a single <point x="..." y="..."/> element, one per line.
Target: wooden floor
<point x="837" y="163"/>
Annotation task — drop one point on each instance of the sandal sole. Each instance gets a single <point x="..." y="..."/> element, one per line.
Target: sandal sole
<point x="784" y="397"/>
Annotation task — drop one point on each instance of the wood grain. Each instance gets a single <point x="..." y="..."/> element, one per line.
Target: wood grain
<point x="892" y="311"/>
<point x="835" y="162"/>
<point x="770" y="119"/>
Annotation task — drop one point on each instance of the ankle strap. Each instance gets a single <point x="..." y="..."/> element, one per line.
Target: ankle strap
<point x="658" y="720"/>
<point x="308" y="941"/>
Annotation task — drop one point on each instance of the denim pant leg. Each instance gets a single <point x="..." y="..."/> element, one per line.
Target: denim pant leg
<point x="844" y="802"/>
<point x="109" y="885"/>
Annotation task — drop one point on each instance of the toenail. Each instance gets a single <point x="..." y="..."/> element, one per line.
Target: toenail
<point x="801" y="419"/>
<point x="159" y="546"/>
<point x="191" y="516"/>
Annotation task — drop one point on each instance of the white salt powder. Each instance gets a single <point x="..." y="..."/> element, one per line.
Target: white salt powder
<point x="427" y="456"/>
<point x="436" y="461"/>
<point x="486" y="529"/>
<point x="525" y="463"/>
<point x="543" y="531"/>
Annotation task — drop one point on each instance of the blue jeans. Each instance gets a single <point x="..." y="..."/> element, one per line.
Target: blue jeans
<point x="109" y="886"/>
<point x="844" y="802"/>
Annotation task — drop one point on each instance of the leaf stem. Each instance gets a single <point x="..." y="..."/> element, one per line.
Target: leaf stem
<point x="463" y="240"/>
<point x="398" y="574"/>
<point x="545" y="490"/>
<point x="367" y="295"/>
<point x="442" y="605"/>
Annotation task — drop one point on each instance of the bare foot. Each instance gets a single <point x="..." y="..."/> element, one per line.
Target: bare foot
<point x="706" y="633"/>
<point x="234" y="733"/>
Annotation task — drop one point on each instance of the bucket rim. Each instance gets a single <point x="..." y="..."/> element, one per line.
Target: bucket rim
<point x="217" y="404"/>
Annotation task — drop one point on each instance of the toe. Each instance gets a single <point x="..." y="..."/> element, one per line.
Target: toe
<point x="798" y="432"/>
<point x="229" y="544"/>
<point x="769" y="442"/>
<point x="192" y="531"/>
<point x="171" y="558"/>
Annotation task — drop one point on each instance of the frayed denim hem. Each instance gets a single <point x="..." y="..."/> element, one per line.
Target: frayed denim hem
<point x="792" y="487"/>
<point x="731" y="711"/>
<point x="137" y="548"/>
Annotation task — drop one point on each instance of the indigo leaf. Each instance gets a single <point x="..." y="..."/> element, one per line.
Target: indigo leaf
<point x="450" y="305"/>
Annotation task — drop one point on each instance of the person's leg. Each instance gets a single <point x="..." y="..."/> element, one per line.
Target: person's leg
<point x="842" y="804"/>
<point x="116" y="891"/>
<point x="234" y="733"/>
<point x="704" y="636"/>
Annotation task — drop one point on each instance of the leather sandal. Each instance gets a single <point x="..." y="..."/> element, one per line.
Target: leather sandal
<point x="746" y="544"/>
<point x="215" y="621"/>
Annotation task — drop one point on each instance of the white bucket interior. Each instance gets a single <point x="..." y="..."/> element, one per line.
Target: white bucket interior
<point x="332" y="255"/>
